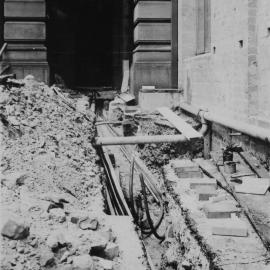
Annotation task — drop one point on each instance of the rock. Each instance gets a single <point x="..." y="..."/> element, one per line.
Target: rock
<point x="108" y="235"/>
<point x="57" y="214"/>
<point x="169" y="232"/>
<point x="88" y="223"/>
<point x="47" y="258"/>
<point x="13" y="179"/>
<point x="13" y="245"/>
<point x="34" y="243"/>
<point x="105" y="264"/>
<point x="15" y="230"/>
<point x="111" y="251"/>
<point x="186" y="265"/>
<point x="98" y="246"/>
<point x="83" y="262"/>
<point x="55" y="239"/>
<point x="20" y="250"/>
<point x="171" y="257"/>
<point x="65" y="256"/>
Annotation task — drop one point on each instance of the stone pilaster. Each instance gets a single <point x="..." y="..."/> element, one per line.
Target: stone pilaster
<point x="25" y="33"/>
<point x="152" y="39"/>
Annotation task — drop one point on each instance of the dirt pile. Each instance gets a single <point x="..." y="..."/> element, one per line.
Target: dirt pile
<point x="51" y="200"/>
<point x="157" y="155"/>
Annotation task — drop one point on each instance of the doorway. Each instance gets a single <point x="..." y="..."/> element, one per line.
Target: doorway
<point x="84" y="42"/>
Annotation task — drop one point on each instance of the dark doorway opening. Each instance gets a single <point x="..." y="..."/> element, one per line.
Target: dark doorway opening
<point x="84" y="41"/>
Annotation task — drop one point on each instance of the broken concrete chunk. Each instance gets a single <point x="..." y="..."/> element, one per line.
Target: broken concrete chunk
<point x="83" y="262"/>
<point x="230" y="227"/>
<point x="15" y="230"/>
<point x="112" y="251"/>
<point x="222" y="209"/>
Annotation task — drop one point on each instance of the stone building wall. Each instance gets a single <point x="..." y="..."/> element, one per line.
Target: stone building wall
<point x="233" y="78"/>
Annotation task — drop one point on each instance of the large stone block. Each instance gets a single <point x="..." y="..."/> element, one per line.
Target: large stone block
<point x="25" y="52"/>
<point x="24" y="31"/>
<point x="152" y="10"/>
<point x="150" y="100"/>
<point x="157" y="74"/>
<point x="152" y="53"/>
<point x="39" y="69"/>
<point x="25" y="8"/>
<point x="159" y="32"/>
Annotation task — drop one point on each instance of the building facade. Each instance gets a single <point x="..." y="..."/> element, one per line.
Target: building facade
<point x="224" y="67"/>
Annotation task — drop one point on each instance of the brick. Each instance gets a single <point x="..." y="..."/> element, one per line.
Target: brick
<point x="223" y="209"/>
<point x="230" y="227"/>
<point x="205" y="193"/>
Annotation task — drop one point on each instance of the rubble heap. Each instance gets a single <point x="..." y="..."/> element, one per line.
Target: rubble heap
<point x="51" y="200"/>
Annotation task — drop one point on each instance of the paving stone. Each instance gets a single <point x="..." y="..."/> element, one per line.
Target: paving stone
<point x="201" y="182"/>
<point x="206" y="192"/>
<point x="186" y="169"/>
<point x="230" y="227"/>
<point x="83" y="262"/>
<point x="15" y="230"/>
<point x="223" y="209"/>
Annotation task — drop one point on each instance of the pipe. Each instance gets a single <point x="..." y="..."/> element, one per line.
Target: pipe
<point x="140" y="140"/>
<point x="248" y="129"/>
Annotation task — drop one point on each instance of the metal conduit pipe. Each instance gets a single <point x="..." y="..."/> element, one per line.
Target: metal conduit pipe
<point x="251" y="130"/>
<point x="140" y="139"/>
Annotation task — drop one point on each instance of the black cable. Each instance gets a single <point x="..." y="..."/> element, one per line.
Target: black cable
<point x="132" y="208"/>
<point x="152" y="227"/>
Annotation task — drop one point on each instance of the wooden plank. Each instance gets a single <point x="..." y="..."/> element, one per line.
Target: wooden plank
<point x="187" y="130"/>
<point x="255" y="165"/>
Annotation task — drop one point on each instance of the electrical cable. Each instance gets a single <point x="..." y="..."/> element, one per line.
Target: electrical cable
<point x="150" y="222"/>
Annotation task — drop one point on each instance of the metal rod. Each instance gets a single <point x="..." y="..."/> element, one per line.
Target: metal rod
<point x="140" y="140"/>
<point x="251" y="130"/>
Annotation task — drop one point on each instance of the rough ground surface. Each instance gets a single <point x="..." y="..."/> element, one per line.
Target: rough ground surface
<point x="49" y="181"/>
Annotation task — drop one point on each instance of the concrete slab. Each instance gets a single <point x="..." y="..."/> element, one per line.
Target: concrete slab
<point x="252" y="185"/>
<point x="223" y="209"/>
<point x="230" y="227"/>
